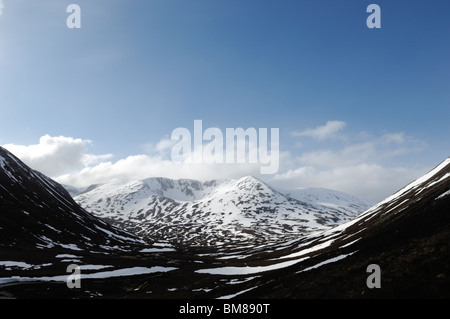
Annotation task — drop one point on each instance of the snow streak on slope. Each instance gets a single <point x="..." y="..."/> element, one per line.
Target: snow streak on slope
<point x="218" y="212"/>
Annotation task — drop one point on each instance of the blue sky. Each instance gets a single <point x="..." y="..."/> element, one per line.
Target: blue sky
<point x="113" y="91"/>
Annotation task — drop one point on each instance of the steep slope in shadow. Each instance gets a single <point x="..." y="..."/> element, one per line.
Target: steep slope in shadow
<point x="407" y="236"/>
<point x="38" y="213"/>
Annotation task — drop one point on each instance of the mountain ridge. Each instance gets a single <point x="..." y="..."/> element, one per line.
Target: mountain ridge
<point x="234" y="210"/>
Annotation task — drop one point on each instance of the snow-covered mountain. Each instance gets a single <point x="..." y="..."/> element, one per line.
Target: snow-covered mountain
<point x="218" y="212"/>
<point x="43" y="230"/>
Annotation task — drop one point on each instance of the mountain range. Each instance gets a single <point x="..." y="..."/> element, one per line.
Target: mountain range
<point x="217" y="212"/>
<point x="43" y="231"/>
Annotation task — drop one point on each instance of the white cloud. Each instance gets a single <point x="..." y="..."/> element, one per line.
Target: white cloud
<point x="56" y="155"/>
<point x="371" y="181"/>
<point x="142" y="166"/>
<point x="2" y="6"/>
<point x="363" y="165"/>
<point x="67" y="160"/>
<point x="397" y="138"/>
<point x="162" y="148"/>
<point x="324" y="132"/>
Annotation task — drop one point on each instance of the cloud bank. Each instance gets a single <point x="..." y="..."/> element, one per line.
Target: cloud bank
<point x="56" y="155"/>
<point x="362" y="165"/>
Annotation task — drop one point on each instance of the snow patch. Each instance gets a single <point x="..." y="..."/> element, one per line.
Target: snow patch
<point x="443" y="195"/>
<point x="247" y="270"/>
<point x="331" y="260"/>
<point x="98" y="275"/>
<point x="156" y="250"/>
<point x="236" y="294"/>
